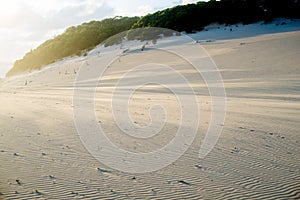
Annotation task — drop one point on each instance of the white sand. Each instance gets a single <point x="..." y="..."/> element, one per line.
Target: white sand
<point x="256" y="157"/>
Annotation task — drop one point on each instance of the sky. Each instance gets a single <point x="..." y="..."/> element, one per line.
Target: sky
<point x="25" y="24"/>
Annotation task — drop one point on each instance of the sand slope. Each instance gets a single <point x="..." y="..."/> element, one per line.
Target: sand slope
<point x="256" y="157"/>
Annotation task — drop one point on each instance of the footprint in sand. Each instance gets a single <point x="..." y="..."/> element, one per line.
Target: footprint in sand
<point x="153" y="191"/>
<point x="37" y="192"/>
<point x="235" y="150"/>
<point x="184" y="182"/>
<point x="199" y="167"/>
<point x="19" y="182"/>
<point x="102" y="171"/>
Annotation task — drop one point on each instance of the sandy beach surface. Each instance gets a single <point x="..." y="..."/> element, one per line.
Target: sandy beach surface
<point x="256" y="157"/>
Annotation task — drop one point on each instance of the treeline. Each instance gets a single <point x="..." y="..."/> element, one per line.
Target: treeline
<point x="74" y="41"/>
<point x="188" y="18"/>
<point x="194" y="17"/>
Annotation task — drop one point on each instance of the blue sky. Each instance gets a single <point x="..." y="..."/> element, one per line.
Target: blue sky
<point x="24" y="24"/>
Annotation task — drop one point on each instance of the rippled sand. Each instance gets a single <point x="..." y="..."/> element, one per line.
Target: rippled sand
<point x="256" y="157"/>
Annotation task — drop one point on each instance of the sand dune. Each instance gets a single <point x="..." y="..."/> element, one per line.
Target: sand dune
<point x="256" y="157"/>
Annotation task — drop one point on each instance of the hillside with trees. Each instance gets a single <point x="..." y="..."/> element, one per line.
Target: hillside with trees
<point x="74" y="41"/>
<point x="188" y="18"/>
<point x="194" y="17"/>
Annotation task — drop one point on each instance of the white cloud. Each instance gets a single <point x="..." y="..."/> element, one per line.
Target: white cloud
<point x="145" y="9"/>
<point x="139" y="11"/>
<point x="184" y="2"/>
<point x="27" y="19"/>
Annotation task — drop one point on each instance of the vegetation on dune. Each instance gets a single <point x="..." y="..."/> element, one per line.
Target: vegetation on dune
<point x="194" y="17"/>
<point x="189" y="18"/>
<point x="74" y="41"/>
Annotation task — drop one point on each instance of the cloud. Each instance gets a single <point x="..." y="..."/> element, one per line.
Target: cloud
<point x="18" y="18"/>
<point x="145" y="9"/>
<point x="184" y="2"/>
<point x="76" y="14"/>
<point x="27" y="19"/>
<point x="139" y="11"/>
